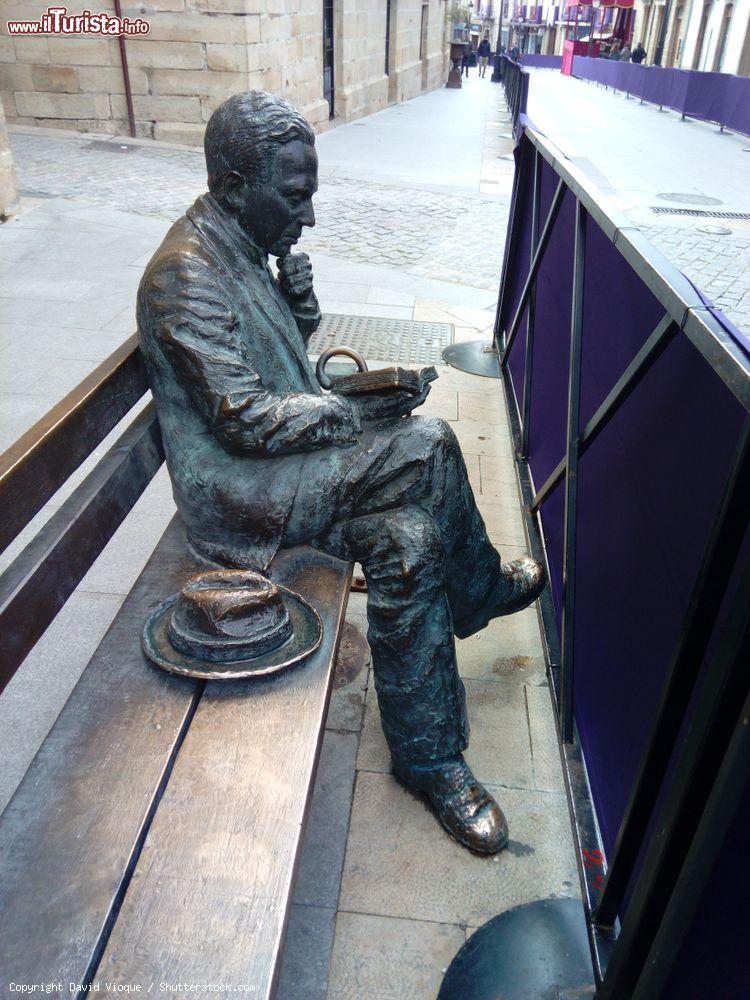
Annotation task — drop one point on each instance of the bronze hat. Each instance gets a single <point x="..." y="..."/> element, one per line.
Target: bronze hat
<point x="230" y="623"/>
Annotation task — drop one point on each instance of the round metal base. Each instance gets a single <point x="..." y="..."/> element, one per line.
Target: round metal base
<point x="476" y="357"/>
<point x="533" y="952"/>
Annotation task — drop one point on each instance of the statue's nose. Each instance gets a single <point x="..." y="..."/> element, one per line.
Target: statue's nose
<point x="307" y="218"/>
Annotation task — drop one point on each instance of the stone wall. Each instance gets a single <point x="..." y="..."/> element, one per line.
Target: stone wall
<point x="8" y="190"/>
<point x="198" y="52"/>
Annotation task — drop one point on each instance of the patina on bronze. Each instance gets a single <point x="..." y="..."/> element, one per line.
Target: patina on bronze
<point x="261" y="458"/>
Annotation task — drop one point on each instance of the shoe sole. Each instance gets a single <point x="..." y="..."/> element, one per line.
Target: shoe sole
<point x="463" y="634"/>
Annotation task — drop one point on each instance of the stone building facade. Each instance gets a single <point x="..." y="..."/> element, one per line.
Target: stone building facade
<point x="198" y="52"/>
<point x="8" y="189"/>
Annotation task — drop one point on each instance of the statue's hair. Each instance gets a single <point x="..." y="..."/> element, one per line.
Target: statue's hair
<point x="243" y="132"/>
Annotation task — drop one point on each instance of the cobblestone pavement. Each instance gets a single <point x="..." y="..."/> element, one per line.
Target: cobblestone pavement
<point x="718" y="265"/>
<point x="421" y="231"/>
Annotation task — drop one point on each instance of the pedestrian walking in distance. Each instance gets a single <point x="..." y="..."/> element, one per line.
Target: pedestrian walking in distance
<point x="638" y="54"/>
<point x="614" y="52"/>
<point x="466" y="58"/>
<point x="484" y="54"/>
<point x="625" y="53"/>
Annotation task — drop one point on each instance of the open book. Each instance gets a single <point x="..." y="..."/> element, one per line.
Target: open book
<point x="384" y="380"/>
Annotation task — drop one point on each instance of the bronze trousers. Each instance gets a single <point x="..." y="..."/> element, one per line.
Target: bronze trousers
<point x="400" y="503"/>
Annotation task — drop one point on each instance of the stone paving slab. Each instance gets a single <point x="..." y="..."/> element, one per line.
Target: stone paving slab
<point x="382" y="958"/>
<point x="544" y="745"/>
<point x="401" y="863"/>
<point x="499" y="748"/>
<point x="509" y="649"/>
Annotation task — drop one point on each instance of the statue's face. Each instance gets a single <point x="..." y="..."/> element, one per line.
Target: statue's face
<point x="274" y="213"/>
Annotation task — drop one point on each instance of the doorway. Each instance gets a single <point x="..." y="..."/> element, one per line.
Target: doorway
<point x="722" y="44"/>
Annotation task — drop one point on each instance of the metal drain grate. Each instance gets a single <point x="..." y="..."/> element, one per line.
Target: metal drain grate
<point x="700" y="213"/>
<point x="400" y="341"/>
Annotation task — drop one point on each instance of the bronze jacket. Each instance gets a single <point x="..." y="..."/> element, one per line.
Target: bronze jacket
<point x="237" y="398"/>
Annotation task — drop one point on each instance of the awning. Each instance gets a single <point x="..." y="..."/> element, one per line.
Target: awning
<point x="607" y="3"/>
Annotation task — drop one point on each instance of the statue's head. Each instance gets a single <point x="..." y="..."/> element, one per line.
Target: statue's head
<point x="262" y="168"/>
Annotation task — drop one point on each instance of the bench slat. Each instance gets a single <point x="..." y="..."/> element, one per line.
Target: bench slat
<point x="210" y="893"/>
<point x="42" y="459"/>
<point x="74" y="826"/>
<point x="41" y="579"/>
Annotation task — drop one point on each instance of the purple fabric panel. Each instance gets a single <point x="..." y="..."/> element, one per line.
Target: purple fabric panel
<point x="553" y="529"/>
<point x="658" y="85"/>
<point x="518" y="264"/>
<point x="680" y="85"/>
<point x="715" y="97"/>
<point x="549" y="393"/>
<point x="719" y="928"/>
<point x="737" y="109"/>
<point x="619" y="313"/>
<point x="524" y="94"/>
<point x="649" y="488"/>
<point x="543" y="62"/>
<point x="715" y="949"/>
<point x="705" y="96"/>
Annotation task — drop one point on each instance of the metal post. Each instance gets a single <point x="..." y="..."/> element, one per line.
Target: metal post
<point x="705" y="602"/>
<point x="529" y="366"/>
<point x="571" y="479"/>
<point x="497" y="75"/>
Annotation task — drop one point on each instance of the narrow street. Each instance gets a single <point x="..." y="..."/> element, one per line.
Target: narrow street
<point x="644" y="159"/>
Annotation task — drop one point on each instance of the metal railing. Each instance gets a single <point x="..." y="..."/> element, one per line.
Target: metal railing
<point x="585" y="384"/>
<point x="516" y="84"/>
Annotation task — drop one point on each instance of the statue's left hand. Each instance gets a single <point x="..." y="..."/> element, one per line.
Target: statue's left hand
<point x="295" y="275"/>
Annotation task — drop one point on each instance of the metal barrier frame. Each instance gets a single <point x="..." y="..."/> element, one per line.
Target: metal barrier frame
<point x="516" y="85"/>
<point x="635" y="959"/>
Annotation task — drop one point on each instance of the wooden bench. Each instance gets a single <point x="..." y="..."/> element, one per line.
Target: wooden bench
<point x="154" y="837"/>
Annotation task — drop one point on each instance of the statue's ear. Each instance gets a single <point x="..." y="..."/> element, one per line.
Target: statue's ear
<point x="233" y="187"/>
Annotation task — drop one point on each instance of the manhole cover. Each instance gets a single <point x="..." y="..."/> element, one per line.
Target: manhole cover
<point x="689" y="199"/>
<point x="353" y="656"/>
<point x="111" y="146"/>
<point x="400" y="341"/>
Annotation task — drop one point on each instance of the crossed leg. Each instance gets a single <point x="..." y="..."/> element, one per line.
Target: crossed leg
<point x="401" y="504"/>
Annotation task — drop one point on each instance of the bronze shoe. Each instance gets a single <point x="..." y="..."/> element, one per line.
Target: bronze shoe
<point x="521" y="583"/>
<point x="464" y="807"/>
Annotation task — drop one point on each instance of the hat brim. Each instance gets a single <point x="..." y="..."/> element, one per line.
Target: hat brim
<point x="307" y="634"/>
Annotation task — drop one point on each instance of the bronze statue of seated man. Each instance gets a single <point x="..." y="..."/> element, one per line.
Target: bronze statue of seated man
<point x="261" y="458"/>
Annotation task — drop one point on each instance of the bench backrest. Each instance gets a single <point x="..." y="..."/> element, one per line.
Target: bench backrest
<point x="42" y="577"/>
